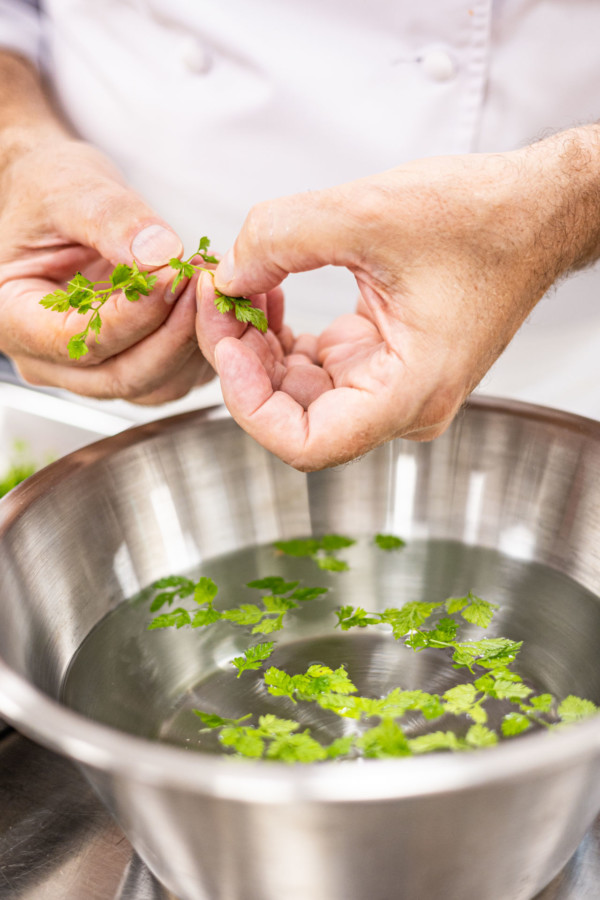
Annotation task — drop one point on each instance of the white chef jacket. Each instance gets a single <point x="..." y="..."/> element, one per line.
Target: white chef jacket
<point x="209" y="107"/>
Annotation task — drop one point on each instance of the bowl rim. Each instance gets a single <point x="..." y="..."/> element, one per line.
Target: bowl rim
<point x="105" y="749"/>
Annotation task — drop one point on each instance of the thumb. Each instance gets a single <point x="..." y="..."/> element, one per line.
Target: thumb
<point x="290" y="234"/>
<point x="114" y="220"/>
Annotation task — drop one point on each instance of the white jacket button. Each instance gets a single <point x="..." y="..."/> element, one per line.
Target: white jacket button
<point x="193" y="55"/>
<point x="438" y="65"/>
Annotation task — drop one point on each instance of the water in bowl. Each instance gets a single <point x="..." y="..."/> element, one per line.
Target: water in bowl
<point x="148" y="682"/>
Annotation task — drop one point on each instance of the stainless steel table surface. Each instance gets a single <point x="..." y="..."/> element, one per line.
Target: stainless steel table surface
<point x="58" y="843"/>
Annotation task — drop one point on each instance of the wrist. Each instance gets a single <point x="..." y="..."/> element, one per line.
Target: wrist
<point x="564" y="176"/>
<point x="27" y="119"/>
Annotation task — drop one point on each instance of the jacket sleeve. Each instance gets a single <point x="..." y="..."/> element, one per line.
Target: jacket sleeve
<point x="21" y="28"/>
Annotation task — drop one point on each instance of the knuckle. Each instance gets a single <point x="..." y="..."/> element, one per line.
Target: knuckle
<point x="255" y="226"/>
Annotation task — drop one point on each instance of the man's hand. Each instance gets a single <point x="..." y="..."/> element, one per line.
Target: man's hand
<point x="66" y="209"/>
<point x="450" y="255"/>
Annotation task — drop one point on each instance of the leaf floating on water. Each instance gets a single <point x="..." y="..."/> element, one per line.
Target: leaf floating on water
<point x="389" y="542"/>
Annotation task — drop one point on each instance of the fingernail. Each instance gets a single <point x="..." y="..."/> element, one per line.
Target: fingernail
<point x="155" y="246"/>
<point x="226" y="269"/>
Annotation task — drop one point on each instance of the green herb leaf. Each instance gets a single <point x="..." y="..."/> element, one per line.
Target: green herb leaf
<point x="331" y="542"/>
<point x="542" y="703"/>
<point x="308" y="593"/>
<point x="480" y="736"/>
<point x="298" y="547"/>
<point x="121" y="276"/>
<point x="293" y="748"/>
<point x="573" y="709"/>
<point x="244" y="740"/>
<point x="389" y="542"/>
<point x="465" y="699"/>
<point x="269" y="625"/>
<point x="383" y="741"/>
<point x="409" y="617"/>
<point x="88" y="297"/>
<point x="435" y="741"/>
<point x="279" y="683"/>
<point x="514" y="723"/>
<point x="212" y="721"/>
<point x="278" y="604"/>
<point x="355" y="617"/>
<point x="76" y="345"/>
<point x="253" y="658"/>
<point x="174" y="587"/>
<point x="206" y="617"/>
<point x="246" y="313"/>
<point x="489" y="653"/>
<point x="205" y="591"/>
<point x="245" y="614"/>
<point x="473" y="609"/>
<point x="224" y="304"/>
<point x="331" y="564"/>
<point x="19" y="469"/>
<point x="340" y="747"/>
<point x="176" y="619"/>
<point x="274" y="583"/>
<point x="58" y="301"/>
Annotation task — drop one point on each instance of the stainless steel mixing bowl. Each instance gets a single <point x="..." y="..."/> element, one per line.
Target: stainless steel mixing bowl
<point x="95" y="527"/>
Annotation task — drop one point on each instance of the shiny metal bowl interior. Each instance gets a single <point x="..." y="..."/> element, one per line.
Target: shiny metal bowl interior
<point x="94" y="528"/>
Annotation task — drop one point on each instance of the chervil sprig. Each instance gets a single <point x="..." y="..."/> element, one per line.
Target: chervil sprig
<point x="89" y="297"/>
<point x="241" y="306"/>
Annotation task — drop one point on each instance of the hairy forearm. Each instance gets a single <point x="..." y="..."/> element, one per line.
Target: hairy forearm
<point x="26" y="113"/>
<point x="564" y="172"/>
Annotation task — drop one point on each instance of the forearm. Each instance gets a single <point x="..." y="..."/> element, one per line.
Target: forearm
<point x="26" y="113"/>
<point x="564" y="194"/>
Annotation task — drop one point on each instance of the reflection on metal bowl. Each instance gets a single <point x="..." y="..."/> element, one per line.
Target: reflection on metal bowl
<point x="93" y="528"/>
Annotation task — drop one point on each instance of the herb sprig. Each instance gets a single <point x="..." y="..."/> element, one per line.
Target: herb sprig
<point x="20" y="468"/>
<point x="88" y="297"/>
<point x="240" y="306"/>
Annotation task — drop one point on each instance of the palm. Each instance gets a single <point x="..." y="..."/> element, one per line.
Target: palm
<point x="314" y="401"/>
